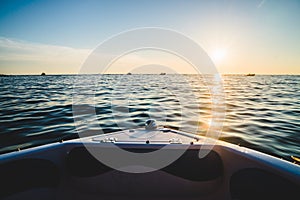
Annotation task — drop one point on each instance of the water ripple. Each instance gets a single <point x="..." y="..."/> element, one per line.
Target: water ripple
<point x="262" y="112"/>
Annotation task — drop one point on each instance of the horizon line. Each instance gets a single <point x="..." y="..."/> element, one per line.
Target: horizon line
<point x="72" y="74"/>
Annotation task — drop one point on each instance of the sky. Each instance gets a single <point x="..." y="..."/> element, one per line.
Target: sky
<point x="242" y="36"/>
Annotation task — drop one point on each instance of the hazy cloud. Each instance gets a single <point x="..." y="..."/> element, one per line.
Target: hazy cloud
<point x="20" y="57"/>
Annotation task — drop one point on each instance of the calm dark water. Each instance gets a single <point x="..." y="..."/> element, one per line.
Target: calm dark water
<point x="262" y="112"/>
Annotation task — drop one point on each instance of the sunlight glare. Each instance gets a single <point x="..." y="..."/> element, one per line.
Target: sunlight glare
<point x="218" y="55"/>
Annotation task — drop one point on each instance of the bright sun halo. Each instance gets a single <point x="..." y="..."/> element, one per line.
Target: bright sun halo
<point x="218" y="55"/>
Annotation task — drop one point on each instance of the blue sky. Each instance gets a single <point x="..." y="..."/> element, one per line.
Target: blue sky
<point x="254" y="36"/>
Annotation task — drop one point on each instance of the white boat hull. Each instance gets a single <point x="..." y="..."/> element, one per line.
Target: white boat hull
<point x="66" y="170"/>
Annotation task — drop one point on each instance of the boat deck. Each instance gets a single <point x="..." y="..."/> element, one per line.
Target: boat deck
<point x="203" y="169"/>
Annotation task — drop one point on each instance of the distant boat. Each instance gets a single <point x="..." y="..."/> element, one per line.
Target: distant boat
<point x="162" y="73"/>
<point x="129" y="73"/>
<point x="43" y="74"/>
<point x="250" y="75"/>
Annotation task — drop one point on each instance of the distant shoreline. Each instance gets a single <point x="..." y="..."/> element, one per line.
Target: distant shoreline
<point x="5" y="75"/>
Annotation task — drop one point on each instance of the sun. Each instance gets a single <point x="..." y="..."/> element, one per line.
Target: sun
<point x="218" y="55"/>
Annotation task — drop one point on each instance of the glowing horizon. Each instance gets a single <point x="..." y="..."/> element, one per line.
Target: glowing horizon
<point x="241" y="37"/>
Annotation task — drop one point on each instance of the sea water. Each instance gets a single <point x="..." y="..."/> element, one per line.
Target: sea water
<point x="261" y="112"/>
